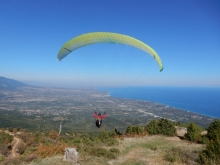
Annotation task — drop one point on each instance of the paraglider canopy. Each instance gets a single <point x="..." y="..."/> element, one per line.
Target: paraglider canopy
<point x="106" y="37"/>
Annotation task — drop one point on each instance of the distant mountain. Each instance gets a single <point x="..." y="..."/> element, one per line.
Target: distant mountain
<point x="10" y="84"/>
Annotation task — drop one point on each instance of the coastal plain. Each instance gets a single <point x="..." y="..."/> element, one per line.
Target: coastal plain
<point x="43" y="109"/>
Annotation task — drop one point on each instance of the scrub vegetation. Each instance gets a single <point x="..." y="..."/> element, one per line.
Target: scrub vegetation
<point x="155" y="143"/>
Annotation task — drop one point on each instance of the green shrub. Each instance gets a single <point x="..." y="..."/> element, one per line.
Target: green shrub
<point x="211" y="155"/>
<point x="180" y="155"/>
<point x="152" y="127"/>
<point x="163" y="126"/>
<point x="204" y="139"/>
<point x="129" y="130"/>
<point x="214" y="130"/>
<point x="166" y="127"/>
<point x="138" y="129"/>
<point x="77" y="140"/>
<point x="135" y="130"/>
<point x="30" y="150"/>
<point x="172" y="155"/>
<point x="106" y="138"/>
<point x="193" y="133"/>
<point x="5" y="138"/>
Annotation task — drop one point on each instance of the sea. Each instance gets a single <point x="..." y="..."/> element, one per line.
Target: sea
<point x="201" y="100"/>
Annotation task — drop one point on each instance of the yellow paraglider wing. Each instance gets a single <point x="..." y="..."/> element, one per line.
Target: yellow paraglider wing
<point x="106" y="37"/>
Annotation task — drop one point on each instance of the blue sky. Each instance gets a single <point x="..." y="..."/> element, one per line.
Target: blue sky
<point x="185" y="34"/>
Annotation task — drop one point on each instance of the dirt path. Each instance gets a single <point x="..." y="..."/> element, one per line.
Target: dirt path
<point x="15" y="143"/>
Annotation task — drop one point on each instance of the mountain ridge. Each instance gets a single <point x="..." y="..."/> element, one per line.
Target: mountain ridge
<point x="10" y="84"/>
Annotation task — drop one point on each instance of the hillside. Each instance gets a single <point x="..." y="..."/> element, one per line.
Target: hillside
<point x="137" y="145"/>
<point x="10" y="84"/>
<point x="149" y="150"/>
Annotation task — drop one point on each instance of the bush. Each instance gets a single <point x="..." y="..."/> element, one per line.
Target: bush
<point x="214" y="130"/>
<point x="129" y="130"/>
<point x="166" y="127"/>
<point x="106" y="138"/>
<point x="193" y="133"/>
<point x="172" y="155"/>
<point x="5" y="138"/>
<point x="138" y="129"/>
<point x="30" y="150"/>
<point x="134" y="130"/>
<point x="44" y="150"/>
<point x="53" y="134"/>
<point x="152" y="127"/>
<point x="211" y="155"/>
<point x="163" y="126"/>
<point x="77" y="140"/>
<point x="180" y="155"/>
<point x="204" y="139"/>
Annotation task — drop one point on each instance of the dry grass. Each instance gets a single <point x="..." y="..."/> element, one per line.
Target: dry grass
<point x="148" y="150"/>
<point x="55" y="160"/>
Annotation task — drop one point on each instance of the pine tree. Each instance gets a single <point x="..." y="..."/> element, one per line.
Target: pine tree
<point x="152" y="127"/>
<point x="166" y="127"/>
<point x="214" y="130"/>
<point x="211" y="155"/>
<point x="193" y="133"/>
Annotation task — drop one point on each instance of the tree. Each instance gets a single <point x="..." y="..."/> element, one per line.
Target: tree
<point x="214" y="130"/>
<point x="166" y="127"/>
<point x="152" y="127"/>
<point x="211" y="155"/>
<point x="193" y="133"/>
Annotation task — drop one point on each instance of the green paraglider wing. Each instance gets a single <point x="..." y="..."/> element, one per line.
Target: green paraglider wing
<point x="106" y="37"/>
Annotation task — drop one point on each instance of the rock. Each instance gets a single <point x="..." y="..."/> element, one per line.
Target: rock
<point x="71" y="155"/>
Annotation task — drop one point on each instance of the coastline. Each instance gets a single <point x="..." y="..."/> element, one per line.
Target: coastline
<point x="198" y="100"/>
